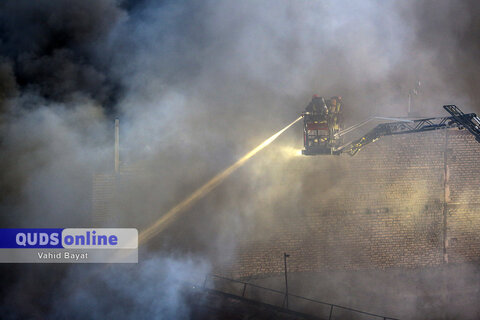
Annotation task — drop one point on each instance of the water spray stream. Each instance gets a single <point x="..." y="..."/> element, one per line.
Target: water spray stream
<point x="168" y="217"/>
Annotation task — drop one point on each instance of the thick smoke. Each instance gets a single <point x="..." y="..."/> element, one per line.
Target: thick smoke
<point x="51" y="48"/>
<point x="153" y="289"/>
<point x="196" y="84"/>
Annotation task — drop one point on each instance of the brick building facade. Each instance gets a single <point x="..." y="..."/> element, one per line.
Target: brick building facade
<point x="404" y="201"/>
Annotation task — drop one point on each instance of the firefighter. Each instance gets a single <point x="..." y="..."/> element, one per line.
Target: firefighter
<point x="318" y="108"/>
<point x="334" y="106"/>
<point x="339" y="111"/>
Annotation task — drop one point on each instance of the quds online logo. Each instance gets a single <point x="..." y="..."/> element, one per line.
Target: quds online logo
<point x="26" y="242"/>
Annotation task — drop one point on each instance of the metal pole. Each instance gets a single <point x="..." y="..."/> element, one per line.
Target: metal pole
<point x="446" y="198"/>
<point x="285" y="256"/>
<point x="117" y="145"/>
<point x="409" y="103"/>
<point x="205" y="281"/>
<point x="244" y="289"/>
<point x="413" y="92"/>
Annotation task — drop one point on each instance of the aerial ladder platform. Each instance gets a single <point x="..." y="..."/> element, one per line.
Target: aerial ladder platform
<point x="457" y="119"/>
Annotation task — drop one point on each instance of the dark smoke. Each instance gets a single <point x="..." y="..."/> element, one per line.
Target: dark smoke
<point x="196" y="84"/>
<point x="53" y="48"/>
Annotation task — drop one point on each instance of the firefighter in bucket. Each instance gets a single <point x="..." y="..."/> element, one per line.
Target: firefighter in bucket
<point x="322" y="120"/>
<point x="317" y="109"/>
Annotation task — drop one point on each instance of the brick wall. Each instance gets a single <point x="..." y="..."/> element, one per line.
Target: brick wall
<point x="463" y="197"/>
<point x="389" y="206"/>
<point x="107" y="193"/>
<point x="103" y="190"/>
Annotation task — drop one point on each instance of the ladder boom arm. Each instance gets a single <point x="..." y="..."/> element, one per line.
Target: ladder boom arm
<point x="458" y="119"/>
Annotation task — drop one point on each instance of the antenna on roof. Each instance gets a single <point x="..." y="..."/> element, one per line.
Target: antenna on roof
<point x="117" y="145"/>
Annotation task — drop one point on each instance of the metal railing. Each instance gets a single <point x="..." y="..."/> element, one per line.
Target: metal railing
<point x="244" y="286"/>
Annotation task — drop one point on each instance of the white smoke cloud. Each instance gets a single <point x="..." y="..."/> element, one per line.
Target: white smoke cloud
<point x="156" y="288"/>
